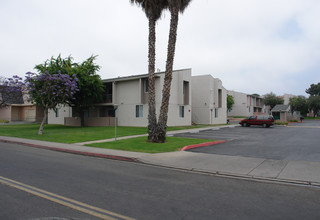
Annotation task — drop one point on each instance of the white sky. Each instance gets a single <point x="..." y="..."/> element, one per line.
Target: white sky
<point x="253" y="46"/>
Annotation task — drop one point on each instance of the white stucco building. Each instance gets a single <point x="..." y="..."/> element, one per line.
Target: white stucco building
<point x="246" y="105"/>
<point x="209" y="100"/>
<point x="130" y="96"/>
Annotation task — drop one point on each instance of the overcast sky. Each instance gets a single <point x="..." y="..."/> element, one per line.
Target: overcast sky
<point x="253" y="46"/>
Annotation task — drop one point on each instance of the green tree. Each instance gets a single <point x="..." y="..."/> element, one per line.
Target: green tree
<point x="300" y="104"/>
<point x="89" y="83"/>
<point x="230" y="102"/>
<point x="314" y="104"/>
<point x="314" y="89"/>
<point x="153" y="10"/>
<point x="175" y="7"/>
<point x="272" y="100"/>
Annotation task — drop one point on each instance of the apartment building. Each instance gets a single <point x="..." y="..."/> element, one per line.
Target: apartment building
<point x="127" y="99"/>
<point x="246" y="105"/>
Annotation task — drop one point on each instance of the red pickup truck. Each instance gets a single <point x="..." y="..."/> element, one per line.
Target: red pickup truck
<point x="264" y="120"/>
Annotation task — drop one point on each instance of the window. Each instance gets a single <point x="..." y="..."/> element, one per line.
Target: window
<point x="181" y="111"/>
<point x="219" y="98"/>
<point x="216" y="112"/>
<point x="139" y="111"/>
<point x="57" y="112"/>
<point x="185" y="91"/>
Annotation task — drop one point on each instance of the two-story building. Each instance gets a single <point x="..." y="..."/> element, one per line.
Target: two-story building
<point x="127" y="99"/>
<point x="246" y="105"/>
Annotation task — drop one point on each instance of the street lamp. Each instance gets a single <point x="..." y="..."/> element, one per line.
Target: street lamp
<point x="115" y="106"/>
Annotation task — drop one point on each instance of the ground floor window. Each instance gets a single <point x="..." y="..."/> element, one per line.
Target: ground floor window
<point x="139" y="111"/>
<point x="181" y="111"/>
<point x="216" y="112"/>
<point x="57" y="112"/>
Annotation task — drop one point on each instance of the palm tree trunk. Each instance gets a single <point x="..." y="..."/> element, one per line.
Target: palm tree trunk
<point x="152" y="118"/>
<point x="163" y="117"/>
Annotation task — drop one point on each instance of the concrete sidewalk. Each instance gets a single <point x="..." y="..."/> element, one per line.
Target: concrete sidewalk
<point x="298" y="172"/>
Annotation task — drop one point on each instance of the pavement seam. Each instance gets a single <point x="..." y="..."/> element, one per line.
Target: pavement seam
<point x="282" y="168"/>
<point x="256" y="166"/>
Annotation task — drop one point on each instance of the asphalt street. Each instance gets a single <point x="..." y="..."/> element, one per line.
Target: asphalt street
<point x="140" y="191"/>
<point x="299" y="141"/>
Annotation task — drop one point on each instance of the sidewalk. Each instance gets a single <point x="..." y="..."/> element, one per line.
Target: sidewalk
<point x="297" y="172"/>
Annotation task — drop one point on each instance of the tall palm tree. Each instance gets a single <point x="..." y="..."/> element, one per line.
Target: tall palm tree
<point x="153" y="10"/>
<point x="175" y="6"/>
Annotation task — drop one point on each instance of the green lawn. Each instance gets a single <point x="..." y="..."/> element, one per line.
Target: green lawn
<point x="64" y="134"/>
<point x="140" y="144"/>
<point x="312" y="118"/>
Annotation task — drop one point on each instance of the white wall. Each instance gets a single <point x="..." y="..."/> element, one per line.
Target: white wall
<point x="64" y="111"/>
<point x="241" y="106"/>
<point x="128" y="95"/>
<point x="205" y="100"/>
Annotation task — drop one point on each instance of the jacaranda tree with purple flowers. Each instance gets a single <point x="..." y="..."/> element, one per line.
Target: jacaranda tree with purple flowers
<point x="49" y="90"/>
<point x="11" y="90"/>
<point x="91" y="88"/>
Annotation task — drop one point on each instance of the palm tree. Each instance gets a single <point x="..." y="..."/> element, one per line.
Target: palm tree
<point x="153" y="10"/>
<point x="175" y="6"/>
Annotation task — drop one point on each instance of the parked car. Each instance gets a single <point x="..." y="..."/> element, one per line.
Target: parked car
<point x="264" y="120"/>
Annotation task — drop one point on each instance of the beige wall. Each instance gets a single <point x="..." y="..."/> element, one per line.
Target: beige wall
<point x="5" y="113"/>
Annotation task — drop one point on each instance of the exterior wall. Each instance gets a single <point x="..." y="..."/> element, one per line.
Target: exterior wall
<point x="92" y="121"/>
<point x="286" y="98"/>
<point x="240" y="106"/>
<point x="64" y="111"/>
<point x="129" y="95"/>
<point x="28" y="113"/>
<point x="129" y="92"/>
<point x="16" y="114"/>
<point x="209" y="106"/>
<point x="5" y="113"/>
<point x="246" y="105"/>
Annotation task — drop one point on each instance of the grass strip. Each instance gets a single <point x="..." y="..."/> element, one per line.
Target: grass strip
<point x="140" y="144"/>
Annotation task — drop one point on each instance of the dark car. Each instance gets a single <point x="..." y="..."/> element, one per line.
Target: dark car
<point x="263" y="120"/>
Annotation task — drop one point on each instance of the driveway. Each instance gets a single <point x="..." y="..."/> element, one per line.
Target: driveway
<point x="299" y="141"/>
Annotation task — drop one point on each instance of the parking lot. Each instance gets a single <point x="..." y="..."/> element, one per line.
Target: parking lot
<point x="298" y="141"/>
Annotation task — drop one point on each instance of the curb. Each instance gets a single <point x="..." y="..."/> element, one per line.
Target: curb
<point x="128" y="159"/>
<point x="202" y="145"/>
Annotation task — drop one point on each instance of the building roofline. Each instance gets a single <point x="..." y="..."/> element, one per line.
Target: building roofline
<point x="134" y="77"/>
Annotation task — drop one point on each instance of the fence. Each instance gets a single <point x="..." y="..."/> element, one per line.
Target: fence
<point x="90" y="122"/>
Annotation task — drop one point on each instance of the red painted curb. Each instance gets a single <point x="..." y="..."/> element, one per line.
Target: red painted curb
<point x="129" y="159"/>
<point x="202" y="145"/>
